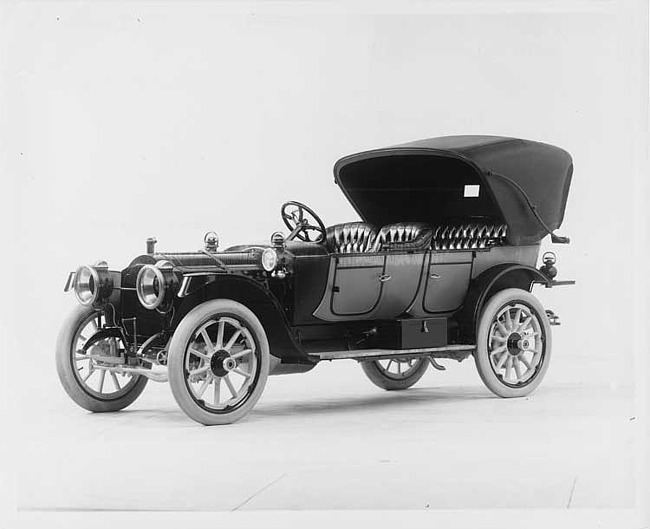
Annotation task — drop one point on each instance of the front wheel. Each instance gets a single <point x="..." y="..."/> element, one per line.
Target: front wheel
<point x="395" y="373"/>
<point x="82" y="369"/>
<point x="513" y="344"/>
<point x="218" y="362"/>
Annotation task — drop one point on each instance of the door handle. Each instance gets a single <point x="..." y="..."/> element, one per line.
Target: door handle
<point x="433" y="275"/>
<point x="384" y="277"/>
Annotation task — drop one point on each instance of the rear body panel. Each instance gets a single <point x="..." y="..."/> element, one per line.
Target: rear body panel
<point x="364" y="287"/>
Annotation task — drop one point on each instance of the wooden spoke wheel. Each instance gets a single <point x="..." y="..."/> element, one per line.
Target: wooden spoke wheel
<point x="513" y="347"/>
<point x="83" y="370"/>
<point x="218" y="362"/>
<point x="395" y="373"/>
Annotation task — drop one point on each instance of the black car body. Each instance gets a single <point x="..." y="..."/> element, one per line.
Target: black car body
<point x="448" y="225"/>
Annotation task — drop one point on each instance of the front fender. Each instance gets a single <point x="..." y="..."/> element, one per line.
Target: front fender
<point x="253" y="294"/>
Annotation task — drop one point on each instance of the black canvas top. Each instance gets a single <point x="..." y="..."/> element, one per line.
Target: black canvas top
<point x="436" y="181"/>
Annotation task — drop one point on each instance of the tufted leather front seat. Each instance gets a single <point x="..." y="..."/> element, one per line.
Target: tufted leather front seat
<point x="468" y="236"/>
<point x="351" y="237"/>
<point x="403" y="236"/>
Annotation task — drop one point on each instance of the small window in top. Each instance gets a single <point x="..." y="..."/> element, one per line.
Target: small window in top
<point x="472" y="191"/>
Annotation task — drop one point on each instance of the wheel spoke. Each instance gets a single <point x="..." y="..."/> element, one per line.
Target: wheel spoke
<point x="499" y="350"/>
<point x="232" y="340"/>
<point x="517" y="319"/>
<point x="502" y="329"/>
<point x="199" y="371"/>
<point x="399" y="368"/>
<point x="508" y="320"/>
<point x="523" y="360"/>
<point x="220" y="329"/>
<point x="241" y="372"/>
<point x="241" y="353"/>
<point x="508" y="368"/>
<point x="517" y="366"/>
<point x="90" y="372"/>
<point x="102" y="376"/>
<point x="204" y="386"/>
<point x="501" y="339"/>
<point x="231" y="388"/>
<point x="526" y="323"/>
<point x="502" y="360"/>
<point x="199" y="354"/>
<point x="207" y="340"/>
<point x="217" y="390"/>
<point x="115" y="381"/>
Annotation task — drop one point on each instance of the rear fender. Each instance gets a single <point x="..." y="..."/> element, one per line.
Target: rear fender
<point x="488" y="283"/>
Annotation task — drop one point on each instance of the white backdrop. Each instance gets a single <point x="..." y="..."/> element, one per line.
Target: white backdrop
<point x="133" y="121"/>
<point x="125" y="121"/>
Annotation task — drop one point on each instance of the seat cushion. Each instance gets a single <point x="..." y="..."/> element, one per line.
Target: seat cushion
<point x="468" y="236"/>
<point x="403" y="236"/>
<point x="351" y="237"/>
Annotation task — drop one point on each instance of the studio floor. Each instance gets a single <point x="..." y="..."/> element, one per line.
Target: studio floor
<point x="329" y="439"/>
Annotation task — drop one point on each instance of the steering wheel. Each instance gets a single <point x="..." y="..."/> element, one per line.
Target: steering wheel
<point x="302" y="222"/>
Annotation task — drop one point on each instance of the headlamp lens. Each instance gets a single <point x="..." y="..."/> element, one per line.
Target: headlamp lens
<point x="269" y="259"/>
<point x="86" y="285"/>
<point x="150" y="286"/>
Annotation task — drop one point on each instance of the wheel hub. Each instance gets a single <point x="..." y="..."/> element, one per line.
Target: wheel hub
<point x="517" y="344"/>
<point x="222" y="363"/>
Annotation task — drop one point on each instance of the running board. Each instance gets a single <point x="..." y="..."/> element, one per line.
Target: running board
<point x="449" y="351"/>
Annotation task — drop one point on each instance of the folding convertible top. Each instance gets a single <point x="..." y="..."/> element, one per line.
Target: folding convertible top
<point x="461" y="179"/>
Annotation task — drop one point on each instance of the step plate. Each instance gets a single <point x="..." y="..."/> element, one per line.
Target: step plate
<point x="379" y="354"/>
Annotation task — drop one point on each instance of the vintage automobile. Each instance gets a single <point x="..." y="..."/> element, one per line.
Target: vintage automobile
<point x="441" y="265"/>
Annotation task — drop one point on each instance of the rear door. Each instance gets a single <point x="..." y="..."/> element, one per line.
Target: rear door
<point x="446" y="282"/>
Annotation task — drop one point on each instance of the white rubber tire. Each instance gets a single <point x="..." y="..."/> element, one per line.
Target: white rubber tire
<point x="176" y="360"/>
<point x="481" y="355"/>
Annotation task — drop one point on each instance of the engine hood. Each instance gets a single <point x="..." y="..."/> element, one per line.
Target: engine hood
<point x="195" y="261"/>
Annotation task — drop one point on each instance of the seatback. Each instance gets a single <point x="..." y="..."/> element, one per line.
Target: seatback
<point x="403" y="236"/>
<point x="468" y="236"/>
<point x="350" y="237"/>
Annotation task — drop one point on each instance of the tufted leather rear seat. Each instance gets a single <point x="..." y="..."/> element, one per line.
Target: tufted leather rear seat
<point x="403" y="236"/>
<point x="359" y="237"/>
<point x="350" y="237"/>
<point x="468" y="236"/>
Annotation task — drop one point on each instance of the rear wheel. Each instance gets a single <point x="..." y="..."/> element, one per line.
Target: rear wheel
<point x="395" y="373"/>
<point x="513" y="346"/>
<point x="81" y="371"/>
<point x="218" y="362"/>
